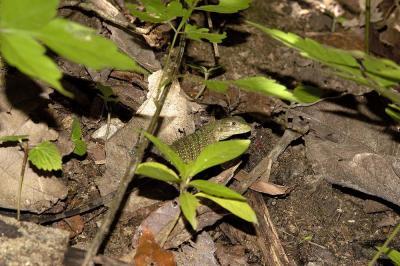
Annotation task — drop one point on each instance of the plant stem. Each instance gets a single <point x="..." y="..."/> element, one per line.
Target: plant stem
<point x="367" y="25"/>
<point x="170" y="73"/>
<point x="385" y="245"/>
<point x="21" y="178"/>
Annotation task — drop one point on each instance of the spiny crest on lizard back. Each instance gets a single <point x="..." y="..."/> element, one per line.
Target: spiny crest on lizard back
<point x="228" y="127"/>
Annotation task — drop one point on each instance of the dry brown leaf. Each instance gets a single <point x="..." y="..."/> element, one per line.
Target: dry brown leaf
<point x="269" y="188"/>
<point x="149" y="252"/>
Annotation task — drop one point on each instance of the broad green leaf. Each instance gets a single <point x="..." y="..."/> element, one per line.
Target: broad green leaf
<point x="16" y="138"/>
<point x="157" y="12"/>
<point x="157" y="171"/>
<point x="307" y="94"/>
<point x="217" y="85"/>
<point x="265" y="86"/>
<point x="239" y="208"/>
<point x="169" y="153"/>
<point x="45" y="156"/>
<point x="217" y="153"/>
<point x="82" y="45"/>
<point x="197" y="34"/>
<point x="226" y="6"/>
<point x="393" y="254"/>
<point x="188" y="204"/>
<point x="25" y="53"/>
<point x="26" y="14"/>
<point x="216" y="189"/>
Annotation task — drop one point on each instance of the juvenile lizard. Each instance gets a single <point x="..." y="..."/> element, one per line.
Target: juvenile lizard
<point x="187" y="147"/>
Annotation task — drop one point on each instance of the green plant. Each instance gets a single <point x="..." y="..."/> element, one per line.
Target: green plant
<point x="212" y="155"/>
<point x="25" y="25"/>
<point x="44" y="156"/>
<point x="155" y="11"/>
<point x="109" y="98"/>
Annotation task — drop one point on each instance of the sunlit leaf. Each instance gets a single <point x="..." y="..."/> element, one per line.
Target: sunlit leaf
<point x="26" y="54"/>
<point x="16" y="138"/>
<point x="169" y="153"/>
<point x="216" y="154"/>
<point x="217" y="85"/>
<point x="307" y="94"/>
<point x="157" y="12"/>
<point x="197" y="34"/>
<point x="226" y="6"/>
<point x="26" y="14"/>
<point x="45" y="156"/>
<point x="157" y="171"/>
<point x="216" y="189"/>
<point x="82" y="45"/>
<point x="265" y="86"/>
<point x="239" y="208"/>
<point x="188" y="204"/>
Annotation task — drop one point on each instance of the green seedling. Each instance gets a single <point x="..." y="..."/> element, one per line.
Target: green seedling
<point x="190" y="190"/>
<point x="109" y="98"/>
<point x="44" y="156"/>
<point x="207" y="73"/>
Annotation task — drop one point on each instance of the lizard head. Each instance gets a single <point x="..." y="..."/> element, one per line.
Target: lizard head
<point x="228" y="127"/>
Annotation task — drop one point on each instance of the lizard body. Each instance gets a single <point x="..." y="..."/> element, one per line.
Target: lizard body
<point x="187" y="147"/>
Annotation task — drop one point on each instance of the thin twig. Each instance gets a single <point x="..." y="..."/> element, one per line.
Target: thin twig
<point x="168" y="76"/>
<point x="21" y="178"/>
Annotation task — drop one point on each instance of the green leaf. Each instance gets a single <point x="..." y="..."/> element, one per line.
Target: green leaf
<point x="45" y="156"/>
<point x="16" y="138"/>
<point x="393" y="113"/>
<point x="157" y="12"/>
<point x="216" y="189"/>
<point x="217" y="85"/>
<point x="25" y="53"/>
<point x="76" y="137"/>
<point x="82" y="45"/>
<point x="217" y="153"/>
<point x="393" y="254"/>
<point x="169" y="153"/>
<point x="226" y="6"/>
<point x="157" y="171"/>
<point x="307" y="94"/>
<point x="76" y="132"/>
<point x="80" y="148"/>
<point x="265" y="86"/>
<point x="26" y="14"/>
<point x="354" y="65"/>
<point x="239" y="208"/>
<point x="197" y="34"/>
<point x="188" y="204"/>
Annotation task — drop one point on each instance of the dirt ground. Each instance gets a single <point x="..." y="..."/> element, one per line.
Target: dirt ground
<point x="318" y="221"/>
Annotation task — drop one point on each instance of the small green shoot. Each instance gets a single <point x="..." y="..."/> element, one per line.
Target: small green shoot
<point x="76" y="137"/>
<point x="16" y="138"/>
<point x="109" y="98"/>
<point x="212" y="155"/>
